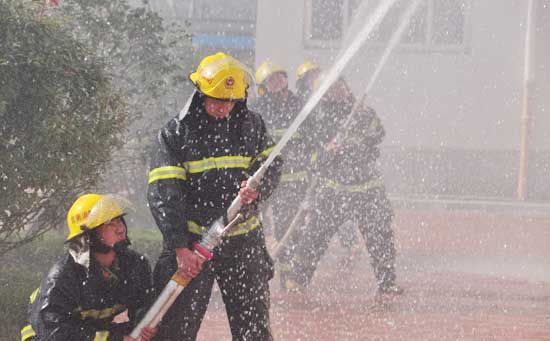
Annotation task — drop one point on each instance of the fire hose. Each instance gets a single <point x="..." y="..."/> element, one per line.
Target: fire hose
<point x="203" y="249"/>
<point x="177" y="283"/>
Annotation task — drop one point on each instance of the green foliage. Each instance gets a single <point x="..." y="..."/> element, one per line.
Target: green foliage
<point x="23" y="269"/>
<point x="146" y="58"/>
<point x="59" y="121"/>
<point x="81" y="84"/>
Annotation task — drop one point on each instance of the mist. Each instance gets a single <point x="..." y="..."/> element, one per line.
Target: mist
<point x="460" y="89"/>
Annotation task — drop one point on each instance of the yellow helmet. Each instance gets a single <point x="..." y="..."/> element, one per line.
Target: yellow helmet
<point x="266" y="69"/>
<point x="305" y="67"/>
<point x="221" y="76"/>
<point x="90" y="211"/>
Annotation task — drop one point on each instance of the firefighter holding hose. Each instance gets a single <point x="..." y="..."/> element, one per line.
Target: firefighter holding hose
<point x="202" y="159"/>
<point x="349" y="187"/>
<point x="99" y="289"/>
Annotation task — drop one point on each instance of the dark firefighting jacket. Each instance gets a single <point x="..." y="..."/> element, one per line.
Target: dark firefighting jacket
<point x="78" y="303"/>
<point x="198" y="166"/>
<point x="354" y="165"/>
<point x="278" y="116"/>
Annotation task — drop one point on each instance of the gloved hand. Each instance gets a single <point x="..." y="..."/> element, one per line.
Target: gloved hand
<point x="189" y="263"/>
<point x="247" y="193"/>
<point x="145" y="335"/>
<point x="334" y="147"/>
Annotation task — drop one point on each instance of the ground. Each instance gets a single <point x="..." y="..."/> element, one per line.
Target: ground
<point x="467" y="275"/>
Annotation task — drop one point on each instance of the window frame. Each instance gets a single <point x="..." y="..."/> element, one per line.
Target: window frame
<point x="427" y="46"/>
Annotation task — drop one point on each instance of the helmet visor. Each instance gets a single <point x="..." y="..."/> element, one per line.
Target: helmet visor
<point x="109" y="207"/>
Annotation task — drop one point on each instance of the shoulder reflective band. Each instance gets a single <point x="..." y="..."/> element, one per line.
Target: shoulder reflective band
<point x="364" y="187"/>
<point x="34" y="295"/>
<point x="246" y="226"/>
<point x="27" y="332"/>
<point x="221" y="162"/>
<point x="167" y="172"/>
<point x="101" y="336"/>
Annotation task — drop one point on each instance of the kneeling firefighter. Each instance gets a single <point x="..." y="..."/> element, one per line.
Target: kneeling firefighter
<point x="100" y="288"/>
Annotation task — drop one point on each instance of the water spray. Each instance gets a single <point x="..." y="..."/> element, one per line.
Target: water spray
<point x="306" y="203"/>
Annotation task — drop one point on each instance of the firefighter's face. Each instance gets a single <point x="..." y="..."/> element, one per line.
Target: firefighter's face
<point x="218" y="108"/>
<point x="313" y="79"/>
<point x="276" y="83"/>
<point x="338" y="92"/>
<point x="112" y="232"/>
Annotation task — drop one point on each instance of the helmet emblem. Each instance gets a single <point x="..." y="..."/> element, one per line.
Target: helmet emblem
<point x="229" y="82"/>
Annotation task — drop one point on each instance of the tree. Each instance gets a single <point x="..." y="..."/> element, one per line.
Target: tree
<point x="60" y="119"/>
<point x="147" y="59"/>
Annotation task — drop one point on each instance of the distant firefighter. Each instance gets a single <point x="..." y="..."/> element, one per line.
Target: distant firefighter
<point x="279" y="107"/>
<point x="350" y="187"/>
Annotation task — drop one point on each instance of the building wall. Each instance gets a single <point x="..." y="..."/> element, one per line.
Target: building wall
<point x="539" y="160"/>
<point x="452" y="117"/>
<point x="215" y="25"/>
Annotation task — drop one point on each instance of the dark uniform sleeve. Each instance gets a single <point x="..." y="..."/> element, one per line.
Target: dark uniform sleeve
<point x="370" y="127"/>
<point x="142" y="295"/>
<point x="365" y="130"/>
<point x="55" y="316"/>
<point x="265" y="147"/>
<point x="167" y="192"/>
<point x="27" y="332"/>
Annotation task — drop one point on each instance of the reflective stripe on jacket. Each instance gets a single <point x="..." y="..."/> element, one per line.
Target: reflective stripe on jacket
<point x="360" y="188"/>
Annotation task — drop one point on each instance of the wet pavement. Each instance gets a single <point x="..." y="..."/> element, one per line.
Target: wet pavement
<point x="467" y="275"/>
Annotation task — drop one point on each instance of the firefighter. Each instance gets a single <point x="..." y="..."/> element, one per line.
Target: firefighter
<point x="279" y="107"/>
<point x="100" y="288"/>
<point x="350" y="187"/>
<point x="202" y="160"/>
<point x="276" y="103"/>
<point x="307" y="75"/>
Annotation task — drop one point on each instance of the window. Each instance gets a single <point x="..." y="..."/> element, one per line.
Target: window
<point x="326" y="20"/>
<point x="436" y="25"/>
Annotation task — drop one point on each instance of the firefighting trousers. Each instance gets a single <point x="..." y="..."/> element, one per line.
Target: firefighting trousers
<point x="370" y="210"/>
<point x="243" y="281"/>
<point x="286" y="202"/>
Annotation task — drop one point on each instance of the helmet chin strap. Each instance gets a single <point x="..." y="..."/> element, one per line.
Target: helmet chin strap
<point x="121" y="246"/>
<point x="97" y="245"/>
